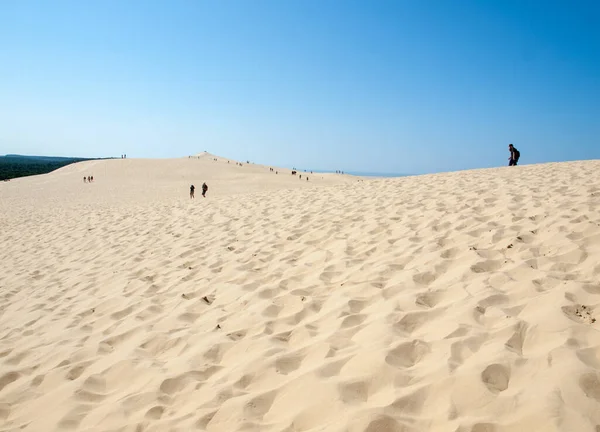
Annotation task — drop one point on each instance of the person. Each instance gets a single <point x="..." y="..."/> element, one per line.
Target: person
<point x="514" y="155"/>
<point x="84" y="179"/>
<point x="204" y="189"/>
<point x="192" y="189"/>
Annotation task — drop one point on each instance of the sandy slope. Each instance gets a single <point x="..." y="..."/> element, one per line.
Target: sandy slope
<point x="133" y="181"/>
<point x="451" y="302"/>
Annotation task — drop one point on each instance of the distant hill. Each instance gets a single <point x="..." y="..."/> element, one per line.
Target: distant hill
<point x="13" y="166"/>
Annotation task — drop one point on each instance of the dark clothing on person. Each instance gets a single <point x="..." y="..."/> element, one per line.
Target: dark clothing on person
<point x="204" y="190"/>
<point x="192" y="189"/>
<point x="514" y="156"/>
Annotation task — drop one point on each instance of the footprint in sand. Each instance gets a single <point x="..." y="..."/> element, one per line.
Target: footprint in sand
<point x="271" y="311"/>
<point x="407" y="354"/>
<point x="424" y="278"/>
<point x="483" y="427"/>
<point x="589" y="356"/>
<point x="174" y="385"/>
<point x="496" y="378"/>
<point x="449" y="253"/>
<point x="288" y="363"/>
<point x="236" y="336"/>
<point x="353" y="320"/>
<point x="579" y="313"/>
<point x="122" y="313"/>
<point x="155" y="413"/>
<point x="413" y="320"/>
<point x="356" y="306"/>
<point x="354" y="392"/>
<point x="17" y="358"/>
<point x="385" y="423"/>
<point x="592" y="288"/>
<point x="258" y="406"/>
<point x="189" y="317"/>
<point x="486" y="266"/>
<point x="4" y="411"/>
<point x="8" y="378"/>
<point x="463" y="349"/>
<point x="428" y="299"/>
<point x="76" y="371"/>
<point x="590" y="384"/>
<point x="37" y="380"/>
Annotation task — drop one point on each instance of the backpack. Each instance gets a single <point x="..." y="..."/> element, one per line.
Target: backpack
<point x="517" y="154"/>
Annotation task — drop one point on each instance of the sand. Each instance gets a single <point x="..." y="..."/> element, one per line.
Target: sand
<point x="452" y="302"/>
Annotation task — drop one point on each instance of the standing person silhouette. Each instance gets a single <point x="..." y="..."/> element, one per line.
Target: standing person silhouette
<point x="514" y="155"/>
<point x="192" y="189"/>
<point x="204" y="189"/>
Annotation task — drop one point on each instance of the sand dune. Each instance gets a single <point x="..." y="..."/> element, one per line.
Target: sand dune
<point x="459" y="302"/>
<point x="125" y="181"/>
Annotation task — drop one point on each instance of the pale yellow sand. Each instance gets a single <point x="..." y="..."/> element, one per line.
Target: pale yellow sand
<point x="452" y="302"/>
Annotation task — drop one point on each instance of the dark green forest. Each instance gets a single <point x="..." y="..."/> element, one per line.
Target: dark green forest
<point x="13" y="166"/>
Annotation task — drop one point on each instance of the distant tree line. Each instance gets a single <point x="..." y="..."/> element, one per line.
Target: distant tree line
<point x="13" y="166"/>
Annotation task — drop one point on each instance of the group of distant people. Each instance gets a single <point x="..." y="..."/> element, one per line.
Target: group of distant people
<point x="88" y="179"/>
<point x="193" y="190"/>
<point x="123" y="156"/>
<point x="294" y="172"/>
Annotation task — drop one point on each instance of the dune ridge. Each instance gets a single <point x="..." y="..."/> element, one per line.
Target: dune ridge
<point x="462" y="302"/>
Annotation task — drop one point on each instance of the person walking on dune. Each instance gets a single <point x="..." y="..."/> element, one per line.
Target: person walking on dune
<point x="204" y="189"/>
<point x="192" y="189"/>
<point x="514" y="155"/>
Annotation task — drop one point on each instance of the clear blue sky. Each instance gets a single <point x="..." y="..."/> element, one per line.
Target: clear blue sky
<point x="406" y="86"/>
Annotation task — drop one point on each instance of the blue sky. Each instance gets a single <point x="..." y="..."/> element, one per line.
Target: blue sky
<point x="408" y="86"/>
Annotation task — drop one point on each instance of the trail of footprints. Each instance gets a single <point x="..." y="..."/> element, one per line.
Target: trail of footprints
<point x="233" y="325"/>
